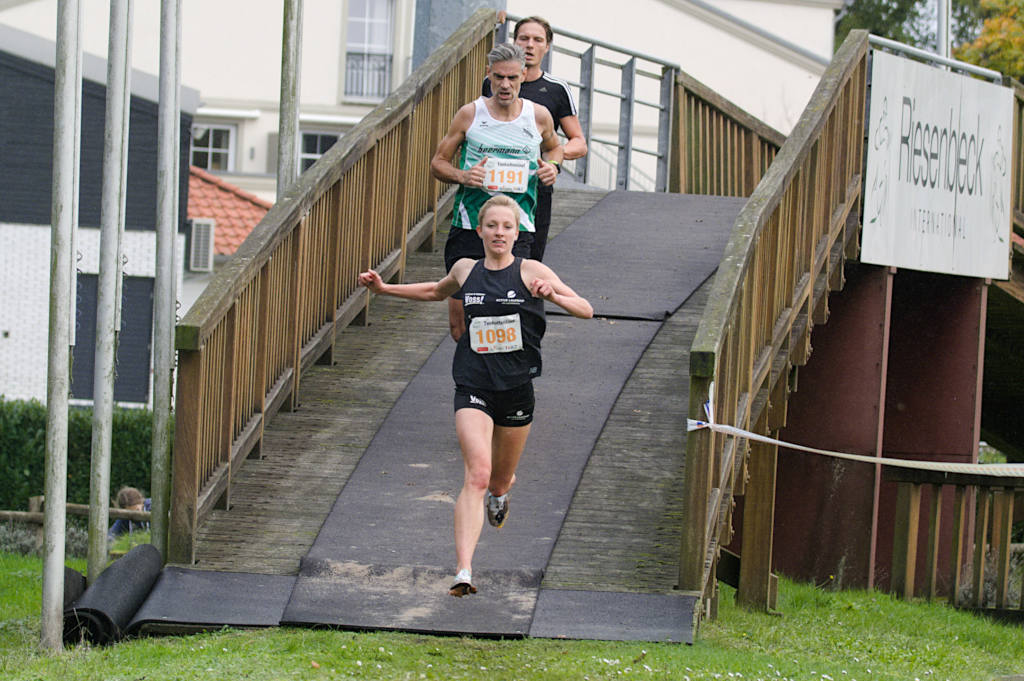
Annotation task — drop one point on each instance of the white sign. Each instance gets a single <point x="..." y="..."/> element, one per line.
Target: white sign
<point x="937" y="190"/>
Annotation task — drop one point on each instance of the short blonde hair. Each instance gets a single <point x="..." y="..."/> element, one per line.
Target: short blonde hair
<point x="501" y="201"/>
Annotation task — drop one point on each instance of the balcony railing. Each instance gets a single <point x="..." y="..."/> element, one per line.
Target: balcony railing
<point x="367" y="76"/>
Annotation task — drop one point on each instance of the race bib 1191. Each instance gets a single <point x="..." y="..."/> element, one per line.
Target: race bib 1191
<point x="506" y="175"/>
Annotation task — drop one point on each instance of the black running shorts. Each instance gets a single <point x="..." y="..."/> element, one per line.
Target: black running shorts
<point x="507" y="408"/>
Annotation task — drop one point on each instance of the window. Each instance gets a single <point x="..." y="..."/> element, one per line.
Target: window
<point x="368" y="57"/>
<point x="314" y="145"/>
<point x="213" y="147"/>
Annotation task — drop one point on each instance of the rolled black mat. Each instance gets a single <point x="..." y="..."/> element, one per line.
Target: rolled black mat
<point x="102" y="613"/>
<point x="74" y="586"/>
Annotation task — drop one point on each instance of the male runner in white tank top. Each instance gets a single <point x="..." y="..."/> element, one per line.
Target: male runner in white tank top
<point x="506" y="67"/>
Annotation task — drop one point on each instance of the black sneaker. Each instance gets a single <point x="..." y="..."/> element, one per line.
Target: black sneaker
<point x="497" y="509"/>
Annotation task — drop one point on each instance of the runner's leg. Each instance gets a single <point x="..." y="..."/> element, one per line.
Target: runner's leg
<point x="474" y="429"/>
<point x="508" y="444"/>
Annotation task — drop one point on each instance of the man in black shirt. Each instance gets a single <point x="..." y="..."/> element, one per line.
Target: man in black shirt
<point x="534" y="35"/>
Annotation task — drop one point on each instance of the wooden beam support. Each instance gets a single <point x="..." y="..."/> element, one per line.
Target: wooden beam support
<point x="758" y="522"/>
<point x="904" y="548"/>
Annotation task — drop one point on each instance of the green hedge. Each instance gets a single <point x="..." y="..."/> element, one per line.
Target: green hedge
<point x="23" y="451"/>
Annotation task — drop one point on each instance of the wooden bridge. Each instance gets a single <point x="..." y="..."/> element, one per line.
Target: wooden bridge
<point x="283" y="380"/>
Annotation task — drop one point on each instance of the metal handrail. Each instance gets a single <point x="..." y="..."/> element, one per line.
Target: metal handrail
<point x="626" y="96"/>
<point x="879" y="41"/>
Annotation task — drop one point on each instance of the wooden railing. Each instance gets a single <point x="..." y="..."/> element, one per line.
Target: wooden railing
<point x="1018" y="157"/>
<point x="717" y="148"/>
<point x="275" y="307"/>
<point x="979" y="563"/>
<point x="785" y="254"/>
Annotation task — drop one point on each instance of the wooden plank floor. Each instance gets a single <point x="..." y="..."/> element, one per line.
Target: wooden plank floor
<point x="624" y="526"/>
<point x="610" y="540"/>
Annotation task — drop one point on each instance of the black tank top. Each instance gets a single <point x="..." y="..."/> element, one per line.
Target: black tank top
<point x="504" y="324"/>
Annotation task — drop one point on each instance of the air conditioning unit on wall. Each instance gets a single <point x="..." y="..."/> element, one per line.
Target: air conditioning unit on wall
<point x="200" y="256"/>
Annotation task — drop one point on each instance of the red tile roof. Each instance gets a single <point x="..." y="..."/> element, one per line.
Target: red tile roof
<point x="235" y="211"/>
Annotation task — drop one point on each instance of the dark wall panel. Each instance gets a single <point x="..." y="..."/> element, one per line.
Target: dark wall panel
<point x="26" y="149"/>
<point x="134" y="340"/>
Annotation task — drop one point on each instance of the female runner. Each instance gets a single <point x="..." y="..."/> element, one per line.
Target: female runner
<point x="495" y="363"/>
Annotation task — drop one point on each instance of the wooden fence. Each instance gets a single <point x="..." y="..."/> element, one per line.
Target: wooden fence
<point x="785" y="254"/>
<point x="979" y="574"/>
<point x="717" y="148"/>
<point x="275" y="307"/>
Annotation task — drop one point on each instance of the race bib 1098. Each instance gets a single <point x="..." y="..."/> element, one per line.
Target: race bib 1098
<point x="495" y="334"/>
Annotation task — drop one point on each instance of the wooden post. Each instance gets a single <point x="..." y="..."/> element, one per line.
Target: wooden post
<point x="296" y="296"/>
<point x="227" y="416"/>
<point x="751" y="162"/>
<point x="904" y="548"/>
<point x="332" y="215"/>
<point x="758" y="522"/>
<point x="697" y="486"/>
<point x="404" y="186"/>
<point x="983" y="504"/>
<point x="957" y="551"/>
<point x="934" y="527"/>
<point x="369" y="214"/>
<point x="35" y="505"/>
<point x="262" y="352"/>
<point x="1002" y="524"/>
<point x="181" y="539"/>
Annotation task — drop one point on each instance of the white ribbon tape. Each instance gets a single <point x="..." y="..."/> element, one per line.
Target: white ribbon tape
<point x="1006" y="470"/>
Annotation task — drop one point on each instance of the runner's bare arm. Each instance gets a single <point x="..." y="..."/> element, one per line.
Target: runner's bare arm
<point x="550" y="145"/>
<point x="441" y="165"/>
<point x="544" y="283"/>
<point x="425" y="291"/>
<point x="576" y="145"/>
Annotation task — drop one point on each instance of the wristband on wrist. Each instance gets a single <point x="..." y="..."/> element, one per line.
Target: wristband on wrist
<point x="557" y="165"/>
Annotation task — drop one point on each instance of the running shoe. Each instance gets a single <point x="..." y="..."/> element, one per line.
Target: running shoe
<point x="497" y="509"/>
<point x="463" y="584"/>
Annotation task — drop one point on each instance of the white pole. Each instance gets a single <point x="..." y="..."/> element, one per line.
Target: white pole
<point x="58" y="364"/>
<point x="115" y="158"/>
<point x="288" y="113"/>
<point x="164" y="295"/>
<point x="942" y="30"/>
<point x="73" y="283"/>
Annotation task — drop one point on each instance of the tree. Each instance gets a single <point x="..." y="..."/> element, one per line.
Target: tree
<point x="1000" y="45"/>
<point x="899" y="20"/>
<point x="912" y="22"/>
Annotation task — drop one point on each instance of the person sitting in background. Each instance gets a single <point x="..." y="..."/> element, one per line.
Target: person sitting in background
<point x="129" y="499"/>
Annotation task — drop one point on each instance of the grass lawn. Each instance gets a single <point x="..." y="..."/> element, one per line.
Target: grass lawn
<point x="819" y="635"/>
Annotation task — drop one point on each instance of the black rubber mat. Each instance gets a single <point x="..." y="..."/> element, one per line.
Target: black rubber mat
<point x="396" y="509"/>
<point x="614" y="616"/>
<point x="188" y="600"/>
<point x="74" y="586"/>
<point x="412" y="598"/>
<point x="102" y="613"/>
<point x="638" y="255"/>
<point x="134" y="596"/>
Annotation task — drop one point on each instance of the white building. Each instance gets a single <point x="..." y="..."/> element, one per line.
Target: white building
<point x="354" y="52"/>
<point x="767" y="56"/>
